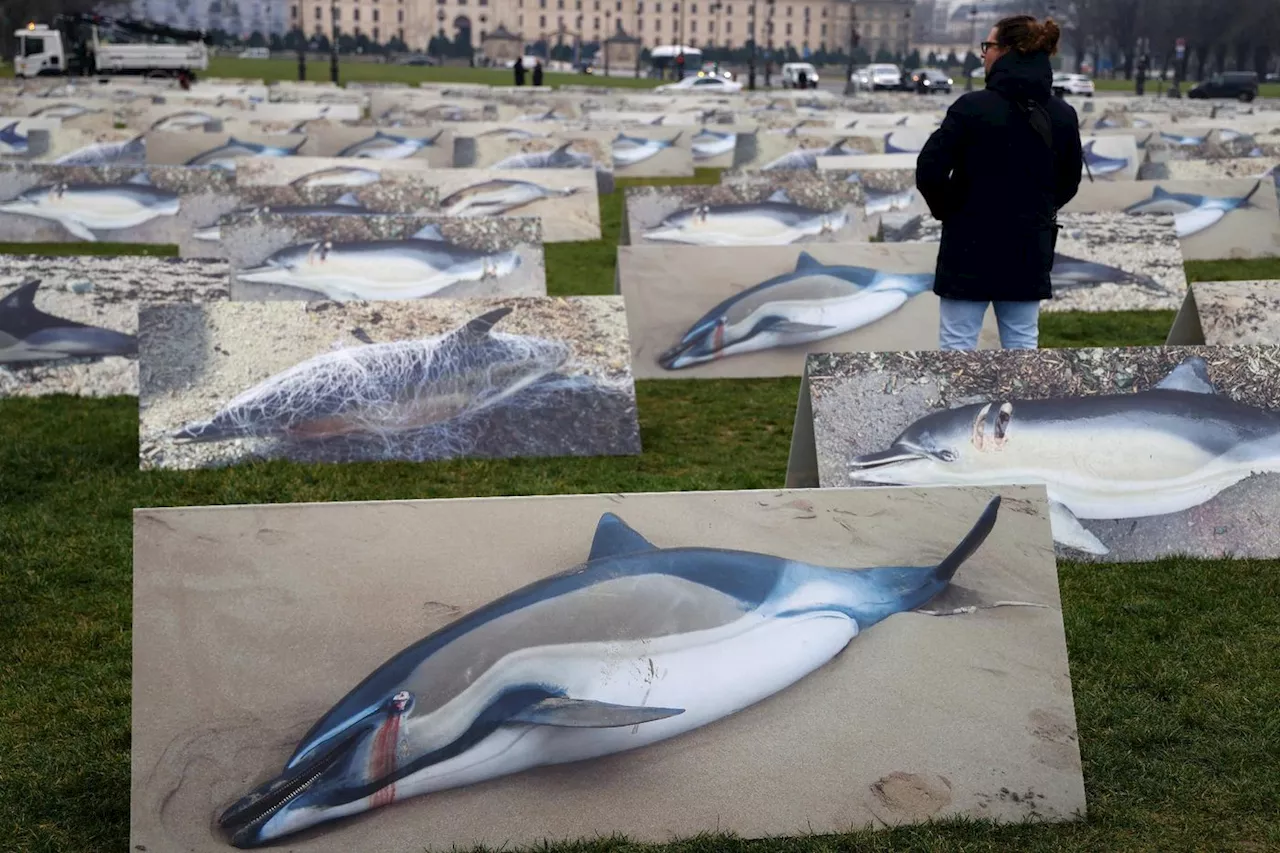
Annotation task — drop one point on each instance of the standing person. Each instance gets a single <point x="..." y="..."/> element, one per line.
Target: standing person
<point x="995" y="174"/>
<point x="519" y="70"/>
<point x="537" y="72"/>
<point x="802" y="79"/>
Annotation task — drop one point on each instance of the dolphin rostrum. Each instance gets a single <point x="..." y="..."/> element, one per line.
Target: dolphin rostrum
<point x="1149" y="453"/>
<point x="418" y="266"/>
<point x="812" y="303"/>
<point x="1192" y="212"/>
<point x="636" y="645"/>
<point x="388" y="388"/>
<point x="28" y="334"/>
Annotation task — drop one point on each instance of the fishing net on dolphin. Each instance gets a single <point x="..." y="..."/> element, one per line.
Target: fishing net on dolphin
<point x="418" y="400"/>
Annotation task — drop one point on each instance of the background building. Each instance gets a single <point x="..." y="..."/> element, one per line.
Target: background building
<point x="238" y="17"/>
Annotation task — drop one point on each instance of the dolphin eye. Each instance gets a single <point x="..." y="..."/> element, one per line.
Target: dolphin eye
<point x="399" y="702"/>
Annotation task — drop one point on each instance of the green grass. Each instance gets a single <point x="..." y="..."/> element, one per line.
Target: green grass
<point x="1254" y="269"/>
<point x="271" y="70"/>
<point x="1155" y="87"/>
<point x="1173" y="663"/>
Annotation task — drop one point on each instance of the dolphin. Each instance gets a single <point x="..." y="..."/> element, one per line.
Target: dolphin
<point x="558" y="158"/>
<point x="807" y="158"/>
<point x="888" y="202"/>
<point x="709" y="144"/>
<point x="338" y="176"/>
<point x="1193" y="213"/>
<point x="1118" y="456"/>
<point x="128" y="152"/>
<point x="347" y="205"/>
<point x="28" y="335"/>
<point x="62" y="111"/>
<point x="896" y="143"/>
<point x="1072" y="273"/>
<point x="630" y="150"/>
<point x="11" y="141"/>
<point x="498" y="196"/>
<point x="381" y="389"/>
<point x="512" y="133"/>
<point x="412" y="268"/>
<point x="1183" y="141"/>
<point x="1101" y="164"/>
<point x="761" y="223"/>
<point x="83" y="209"/>
<point x="224" y="156"/>
<point x="388" y="146"/>
<point x="185" y="120"/>
<point x="636" y="645"/>
<point x="811" y="303"/>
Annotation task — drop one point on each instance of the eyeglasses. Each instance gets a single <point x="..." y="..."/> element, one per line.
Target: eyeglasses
<point x="987" y="45"/>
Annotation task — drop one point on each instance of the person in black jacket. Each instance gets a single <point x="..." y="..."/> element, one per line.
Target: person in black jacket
<point x="995" y="174"/>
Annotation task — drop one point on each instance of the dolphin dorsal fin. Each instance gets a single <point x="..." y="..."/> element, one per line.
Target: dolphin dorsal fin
<point x="480" y="326"/>
<point x="23" y="297"/>
<point x="615" y="537"/>
<point x="426" y="232"/>
<point x="779" y="196"/>
<point x="1192" y="376"/>
<point x="588" y="714"/>
<point x="564" y="148"/>
<point x="141" y="179"/>
<point x="807" y="261"/>
<point x="1160" y="192"/>
<point x="350" y="200"/>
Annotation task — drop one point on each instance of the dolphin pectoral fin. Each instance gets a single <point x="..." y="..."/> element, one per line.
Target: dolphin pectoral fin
<point x="78" y="230"/>
<point x="1191" y="375"/>
<point x="791" y="327"/>
<point x="1070" y="533"/>
<point x="615" y="537"/>
<point x="589" y="714"/>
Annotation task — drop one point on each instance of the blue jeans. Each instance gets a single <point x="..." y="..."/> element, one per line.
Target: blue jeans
<point x="961" y="321"/>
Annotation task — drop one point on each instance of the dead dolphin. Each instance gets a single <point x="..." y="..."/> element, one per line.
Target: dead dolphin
<point x="28" y="334"/>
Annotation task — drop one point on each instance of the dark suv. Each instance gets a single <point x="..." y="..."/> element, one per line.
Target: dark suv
<point x="1241" y="85"/>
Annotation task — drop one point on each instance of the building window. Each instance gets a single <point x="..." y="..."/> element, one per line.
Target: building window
<point x="399" y="16"/>
<point x="542" y="4"/>
<point x="542" y="21"/>
<point x="595" y="22"/>
<point x="400" y="33"/>
<point x="639" y="8"/>
<point x="578" y="23"/>
<point x="824" y="32"/>
<point x="640" y="25"/>
<point x="375" y="16"/>
<point x="337" y="13"/>
<point x="355" y="14"/>
<point x="693" y="10"/>
<point x="318" y="18"/>
<point x="577" y="5"/>
<point x="657" y="26"/>
<point x="376" y="39"/>
<point x="693" y="26"/>
<point x="728" y="26"/>
<point x="293" y="12"/>
<point x="657" y="8"/>
<point x="788" y="11"/>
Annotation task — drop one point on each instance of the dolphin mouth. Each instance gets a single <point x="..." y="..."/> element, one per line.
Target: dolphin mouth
<point x="264" y="272"/>
<point x="680" y="355"/>
<point x="246" y="817"/>
<point x="860" y="466"/>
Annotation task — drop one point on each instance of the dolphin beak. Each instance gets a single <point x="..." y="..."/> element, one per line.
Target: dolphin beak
<point x="246" y="818"/>
<point x="259" y="273"/>
<point x="883" y="459"/>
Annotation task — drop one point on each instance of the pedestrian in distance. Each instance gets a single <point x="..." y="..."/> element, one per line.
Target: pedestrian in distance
<point x="995" y="174"/>
<point x="802" y="79"/>
<point x="537" y="72"/>
<point x="519" y="70"/>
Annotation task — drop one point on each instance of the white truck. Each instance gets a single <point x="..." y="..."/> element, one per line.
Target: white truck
<point x="94" y="44"/>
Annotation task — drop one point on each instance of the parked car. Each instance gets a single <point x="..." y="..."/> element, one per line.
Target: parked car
<point x="255" y="53"/>
<point x="885" y="76"/>
<point x="861" y="77"/>
<point x="1241" y="85"/>
<point x="926" y="81"/>
<point x="791" y="75"/>
<point x="707" y="85"/>
<point x="420" y="59"/>
<point x="1072" y="84"/>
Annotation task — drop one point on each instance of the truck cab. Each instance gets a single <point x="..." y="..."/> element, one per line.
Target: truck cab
<point x="40" y="51"/>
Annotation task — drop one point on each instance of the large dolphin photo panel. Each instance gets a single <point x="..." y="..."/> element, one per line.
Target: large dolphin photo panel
<point x="433" y="146"/>
<point x="68" y="325"/>
<point x="218" y="150"/>
<point x="371" y="257"/>
<point x="1228" y="313"/>
<point x="1215" y="220"/>
<point x="746" y="311"/>
<point x="42" y="203"/>
<point x="760" y="211"/>
<point x="371" y="381"/>
<point x="1146" y="452"/>
<point x="763" y="663"/>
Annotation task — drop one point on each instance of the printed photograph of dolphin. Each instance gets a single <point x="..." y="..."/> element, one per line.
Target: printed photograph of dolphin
<point x="338" y="176"/>
<point x="1116" y="456"/>
<point x="413" y="268"/>
<point x="498" y="196"/>
<point x="709" y="144"/>
<point x="83" y="209"/>
<point x="1192" y="212"/>
<point x="761" y="223"/>
<point x="29" y="335"/>
<point x="389" y="146"/>
<point x="11" y="139"/>
<point x="1100" y="165"/>
<point x="184" y="120"/>
<point x="225" y="155"/>
<point x="388" y="388"/>
<point x="813" y="302"/>
<point x="1073" y="273"/>
<point x="630" y="150"/>
<point x="346" y="205"/>
<point x="128" y="152"/>
<point x="558" y="158"/>
<point x="807" y="158"/>
<point x="635" y="645"/>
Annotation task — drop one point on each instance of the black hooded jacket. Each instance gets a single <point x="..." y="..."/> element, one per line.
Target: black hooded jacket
<point x="995" y="185"/>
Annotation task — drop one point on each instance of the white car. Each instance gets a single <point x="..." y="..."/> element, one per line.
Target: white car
<point x="885" y="76"/>
<point x="710" y="85"/>
<point x="791" y="75"/>
<point x="1072" y="84"/>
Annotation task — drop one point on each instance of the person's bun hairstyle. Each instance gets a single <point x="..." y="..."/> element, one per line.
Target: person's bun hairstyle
<point x="1026" y="35"/>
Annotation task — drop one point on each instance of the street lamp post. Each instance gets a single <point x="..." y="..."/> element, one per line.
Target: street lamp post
<point x="849" y="85"/>
<point x="639" y="38"/>
<point x="604" y="45"/>
<point x="333" y="46"/>
<point x="751" y="57"/>
<point x="973" y="34"/>
<point x="440" y="34"/>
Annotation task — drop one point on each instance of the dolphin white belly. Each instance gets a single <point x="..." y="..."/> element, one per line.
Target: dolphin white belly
<point x="825" y="318"/>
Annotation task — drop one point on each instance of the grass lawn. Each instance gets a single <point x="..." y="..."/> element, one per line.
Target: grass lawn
<point x="1155" y="87"/>
<point x="1173" y="663"/>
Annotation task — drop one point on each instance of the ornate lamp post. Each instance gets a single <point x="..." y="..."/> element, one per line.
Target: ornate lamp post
<point x="440" y="33"/>
<point x="854" y="38"/>
<point x="333" y="45"/>
<point x="973" y="34"/>
<point x="604" y="45"/>
<point x="751" y="58"/>
<point x="640" y="38"/>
